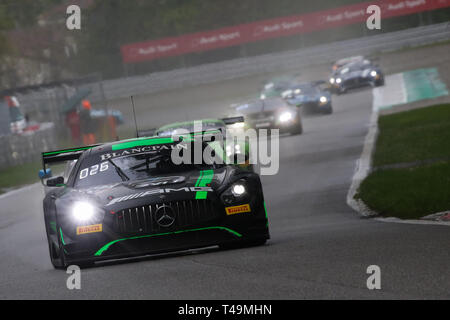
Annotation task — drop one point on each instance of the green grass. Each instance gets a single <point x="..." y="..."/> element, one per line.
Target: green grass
<point x="408" y="193"/>
<point x="19" y="175"/>
<point x="413" y="135"/>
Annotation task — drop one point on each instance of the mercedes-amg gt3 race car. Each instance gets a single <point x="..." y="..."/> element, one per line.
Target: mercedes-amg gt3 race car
<point x="312" y="97"/>
<point x="355" y="75"/>
<point x="271" y="113"/>
<point x="276" y="86"/>
<point x="128" y="198"/>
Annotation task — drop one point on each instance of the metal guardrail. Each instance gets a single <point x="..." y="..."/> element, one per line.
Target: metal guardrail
<point x="237" y="68"/>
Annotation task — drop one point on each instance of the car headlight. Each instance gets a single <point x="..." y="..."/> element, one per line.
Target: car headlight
<point x="263" y="96"/>
<point x="83" y="211"/>
<point x="373" y="73"/>
<point x="237" y="192"/>
<point x="286" y="116"/>
<point x="297" y="91"/>
<point x="238" y="189"/>
<point x="338" y="80"/>
<point x="237" y="149"/>
<point x="323" y="99"/>
<point x="331" y="80"/>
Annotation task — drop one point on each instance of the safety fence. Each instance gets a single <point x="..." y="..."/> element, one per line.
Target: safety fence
<point x="242" y="67"/>
<point x="274" y="28"/>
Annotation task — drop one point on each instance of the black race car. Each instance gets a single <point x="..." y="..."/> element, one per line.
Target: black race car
<point x="356" y="74"/>
<point x="341" y="62"/>
<point x="311" y="96"/>
<point x="271" y="113"/>
<point x="129" y="198"/>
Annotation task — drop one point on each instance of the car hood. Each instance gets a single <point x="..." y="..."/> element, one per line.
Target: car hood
<point x="356" y="74"/>
<point x="129" y="194"/>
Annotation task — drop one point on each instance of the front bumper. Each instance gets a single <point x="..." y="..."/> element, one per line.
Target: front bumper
<point x="274" y="123"/>
<point x="358" y="82"/>
<point x="316" y="106"/>
<point x="110" y="244"/>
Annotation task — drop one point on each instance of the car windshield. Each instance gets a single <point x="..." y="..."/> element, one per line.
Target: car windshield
<point x="132" y="168"/>
<point x="355" y="66"/>
<point x="275" y="86"/>
<point x="305" y="90"/>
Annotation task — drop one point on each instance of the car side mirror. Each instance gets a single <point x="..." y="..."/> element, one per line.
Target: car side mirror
<point x="45" y="174"/>
<point x="55" y="182"/>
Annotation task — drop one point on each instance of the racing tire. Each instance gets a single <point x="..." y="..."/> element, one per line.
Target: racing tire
<point x="379" y="83"/>
<point x="328" y="110"/>
<point x="298" y="129"/>
<point x="341" y="90"/>
<point x="57" y="256"/>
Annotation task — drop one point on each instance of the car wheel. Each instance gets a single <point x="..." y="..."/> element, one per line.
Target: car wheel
<point x="379" y="83"/>
<point x="57" y="256"/>
<point x="298" y="129"/>
<point x="328" y="110"/>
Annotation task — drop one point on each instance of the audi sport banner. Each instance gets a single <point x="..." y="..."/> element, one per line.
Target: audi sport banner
<point x="272" y="28"/>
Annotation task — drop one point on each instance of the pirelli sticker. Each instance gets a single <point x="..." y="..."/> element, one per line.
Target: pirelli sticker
<point x="89" y="229"/>
<point x="238" y="209"/>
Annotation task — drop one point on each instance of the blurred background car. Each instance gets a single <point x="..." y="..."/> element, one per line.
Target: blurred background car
<point x="341" y="62"/>
<point x="271" y="113"/>
<point x="276" y="86"/>
<point x="355" y="75"/>
<point x="311" y="96"/>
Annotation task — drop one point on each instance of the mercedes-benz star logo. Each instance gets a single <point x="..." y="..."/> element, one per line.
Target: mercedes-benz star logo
<point x="164" y="216"/>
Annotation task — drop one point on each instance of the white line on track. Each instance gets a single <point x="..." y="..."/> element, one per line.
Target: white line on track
<point x="391" y="94"/>
<point x="397" y="220"/>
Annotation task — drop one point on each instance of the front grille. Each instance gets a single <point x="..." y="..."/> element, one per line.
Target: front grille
<point x="355" y="81"/>
<point x="143" y="219"/>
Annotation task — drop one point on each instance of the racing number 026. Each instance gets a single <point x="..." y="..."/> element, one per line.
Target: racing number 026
<point x="93" y="170"/>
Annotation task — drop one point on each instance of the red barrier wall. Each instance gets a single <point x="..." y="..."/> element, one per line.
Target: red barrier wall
<point x="272" y="28"/>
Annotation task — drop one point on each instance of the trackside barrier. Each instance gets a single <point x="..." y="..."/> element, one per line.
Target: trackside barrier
<point x="242" y="67"/>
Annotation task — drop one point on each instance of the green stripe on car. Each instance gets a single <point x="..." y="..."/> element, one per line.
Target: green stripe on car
<point x="140" y="143"/>
<point x="109" y="244"/>
<point x="203" y="180"/>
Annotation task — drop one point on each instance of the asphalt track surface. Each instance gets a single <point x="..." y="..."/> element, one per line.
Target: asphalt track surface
<point x="320" y="248"/>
